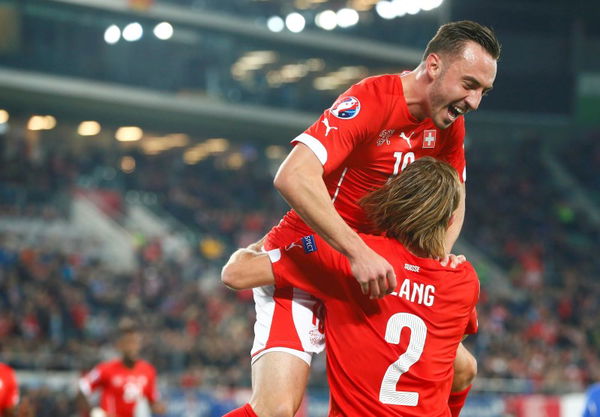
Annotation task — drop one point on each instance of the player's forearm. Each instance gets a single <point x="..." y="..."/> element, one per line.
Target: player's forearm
<point x="307" y="194"/>
<point x="83" y="404"/>
<point x="457" y="223"/>
<point x="247" y="269"/>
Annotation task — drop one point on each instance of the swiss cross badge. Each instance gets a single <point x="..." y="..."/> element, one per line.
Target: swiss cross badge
<point x="429" y="139"/>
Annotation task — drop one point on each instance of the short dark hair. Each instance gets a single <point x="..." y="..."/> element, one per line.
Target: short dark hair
<point x="452" y="37"/>
<point x="128" y="325"/>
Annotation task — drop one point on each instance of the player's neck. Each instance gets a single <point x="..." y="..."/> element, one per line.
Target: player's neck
<point x="128" y="362"/>
<point x="414" y="85"/>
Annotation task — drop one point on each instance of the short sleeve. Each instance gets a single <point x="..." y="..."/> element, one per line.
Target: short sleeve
<point x="11" y="399"/>
<point x="356" y="116"/>
<point x="310" y="264"/>
<point x="454" y="150"/>
<point x="473" y="324"/>
<point x="92" y="380"/>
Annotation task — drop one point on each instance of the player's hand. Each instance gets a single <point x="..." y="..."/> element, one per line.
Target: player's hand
<point x="374" y="274"/>
<point x="257" y="246"/>
<point x="453" y="260"/>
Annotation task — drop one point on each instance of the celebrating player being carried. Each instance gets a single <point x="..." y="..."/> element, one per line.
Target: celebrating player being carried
<point x="375" y="368"/>
<point x="370" y="133"/>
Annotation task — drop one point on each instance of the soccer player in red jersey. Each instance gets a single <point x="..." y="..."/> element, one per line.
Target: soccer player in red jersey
<point x="124" y="381"/>
<point x="371" y="133"/>
<point x="392" y="356"/>
<point x="9" y="391"/>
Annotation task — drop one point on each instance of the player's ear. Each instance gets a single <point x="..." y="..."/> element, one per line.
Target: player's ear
<point x="433" y="65"/>
<point x="450" y="221"/>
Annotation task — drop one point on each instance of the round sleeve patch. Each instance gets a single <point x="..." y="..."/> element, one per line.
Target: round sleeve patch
<point x="345" y="108"/>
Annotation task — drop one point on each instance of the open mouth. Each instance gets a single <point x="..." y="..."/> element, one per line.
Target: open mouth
<point x="454" y="111"/>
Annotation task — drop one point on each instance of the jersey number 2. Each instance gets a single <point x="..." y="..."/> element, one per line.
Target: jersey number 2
<point x="418" y="333"/>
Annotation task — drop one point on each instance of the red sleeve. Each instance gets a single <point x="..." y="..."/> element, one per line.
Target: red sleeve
<point x="473" y="324"/>
<point x="151" y="391"/>
<point x="310" y="264"/>
<point x="93" y="379"/>
<point x="454" y="151"/>
<point x="11" y="399"/>
<point x="357" y="115"/>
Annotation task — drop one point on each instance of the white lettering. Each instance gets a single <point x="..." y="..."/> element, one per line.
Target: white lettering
<point x="417" y="293"/>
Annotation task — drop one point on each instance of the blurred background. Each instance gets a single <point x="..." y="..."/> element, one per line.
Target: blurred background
<point x="139" y="139"/>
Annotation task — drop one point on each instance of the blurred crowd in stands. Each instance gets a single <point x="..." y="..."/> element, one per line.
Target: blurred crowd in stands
<point x="59" y="302"/>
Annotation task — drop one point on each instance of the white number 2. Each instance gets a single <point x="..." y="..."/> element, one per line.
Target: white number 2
<point x="409" y="157"/>
<point x="418" y="334"/>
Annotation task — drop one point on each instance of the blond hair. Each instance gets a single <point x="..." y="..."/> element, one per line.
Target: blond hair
<point x="415" y="207"/>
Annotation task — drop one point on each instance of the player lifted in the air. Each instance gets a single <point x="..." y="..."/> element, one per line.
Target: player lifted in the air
<point x="392" y="356"/>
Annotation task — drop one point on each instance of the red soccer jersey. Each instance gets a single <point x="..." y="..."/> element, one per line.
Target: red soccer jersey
<point x="388" y="357"/>
<point x="9" y="389"/>
<point x="122" y="387"/>
<point x="369" y="135"/>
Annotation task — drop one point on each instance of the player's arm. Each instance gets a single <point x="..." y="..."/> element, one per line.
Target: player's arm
<point x="300" y="182"/>
<point x="10" y="412"/>
<point x="153" y="395"/>
<point x="86" y="385"/>
<point x="83" y="404"/>
<point x="247" y="268"/>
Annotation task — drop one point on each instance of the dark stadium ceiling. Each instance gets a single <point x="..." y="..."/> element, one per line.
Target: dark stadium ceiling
<point x="225" y="69"/>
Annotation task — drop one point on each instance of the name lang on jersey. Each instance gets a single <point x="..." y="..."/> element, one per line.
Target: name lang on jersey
<point x="416" y="292"/>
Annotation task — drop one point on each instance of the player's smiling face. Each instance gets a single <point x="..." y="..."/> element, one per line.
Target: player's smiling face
<point x="459" y="83"/>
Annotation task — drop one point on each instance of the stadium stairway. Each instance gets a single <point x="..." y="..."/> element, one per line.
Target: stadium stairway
<point x="569" y="185"/>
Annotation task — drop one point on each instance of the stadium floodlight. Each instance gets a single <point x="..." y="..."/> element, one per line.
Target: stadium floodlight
<point x="327" y="20"/>
<point x="295" y="22"/>
<point x="163" y="31"/>
<point x="413" y="6"/>
<point x="129" y="134"/>
<point x="4" y="116"/>
<point x="385" y="10"/>
<point x="275" y="24"/>
<point x="430" y="4"/>
<point x="112" y="34"/>
<point x="89" y="128"/>
<point x="133" y="32"/>
<point x="347" y="17"/>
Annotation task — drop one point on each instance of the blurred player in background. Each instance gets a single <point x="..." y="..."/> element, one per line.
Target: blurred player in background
<point x="375" y="367"/>
<point x="9" y="391"/>
<point x="124" y="382"/>
<point x="592" y="401"/>
<point x="370" y="133"/>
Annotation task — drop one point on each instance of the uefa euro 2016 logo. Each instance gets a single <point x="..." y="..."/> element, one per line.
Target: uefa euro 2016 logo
<point x="345" y="108"/>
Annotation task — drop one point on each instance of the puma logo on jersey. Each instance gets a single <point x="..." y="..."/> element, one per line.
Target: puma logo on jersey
<point x="407" y="139"/>
<point x="293" y="245"/>
<point x="325" y="121"/>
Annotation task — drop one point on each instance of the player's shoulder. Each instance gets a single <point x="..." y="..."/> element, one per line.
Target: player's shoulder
<point x="109" y="364"/>
<point x="145" y="366"/>
<point x="467" y="272"/>
<point x="5" y="369"/>
<point x="388" y="83"/>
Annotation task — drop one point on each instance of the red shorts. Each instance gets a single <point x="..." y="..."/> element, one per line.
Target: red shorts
<point x="286" y="317"/>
